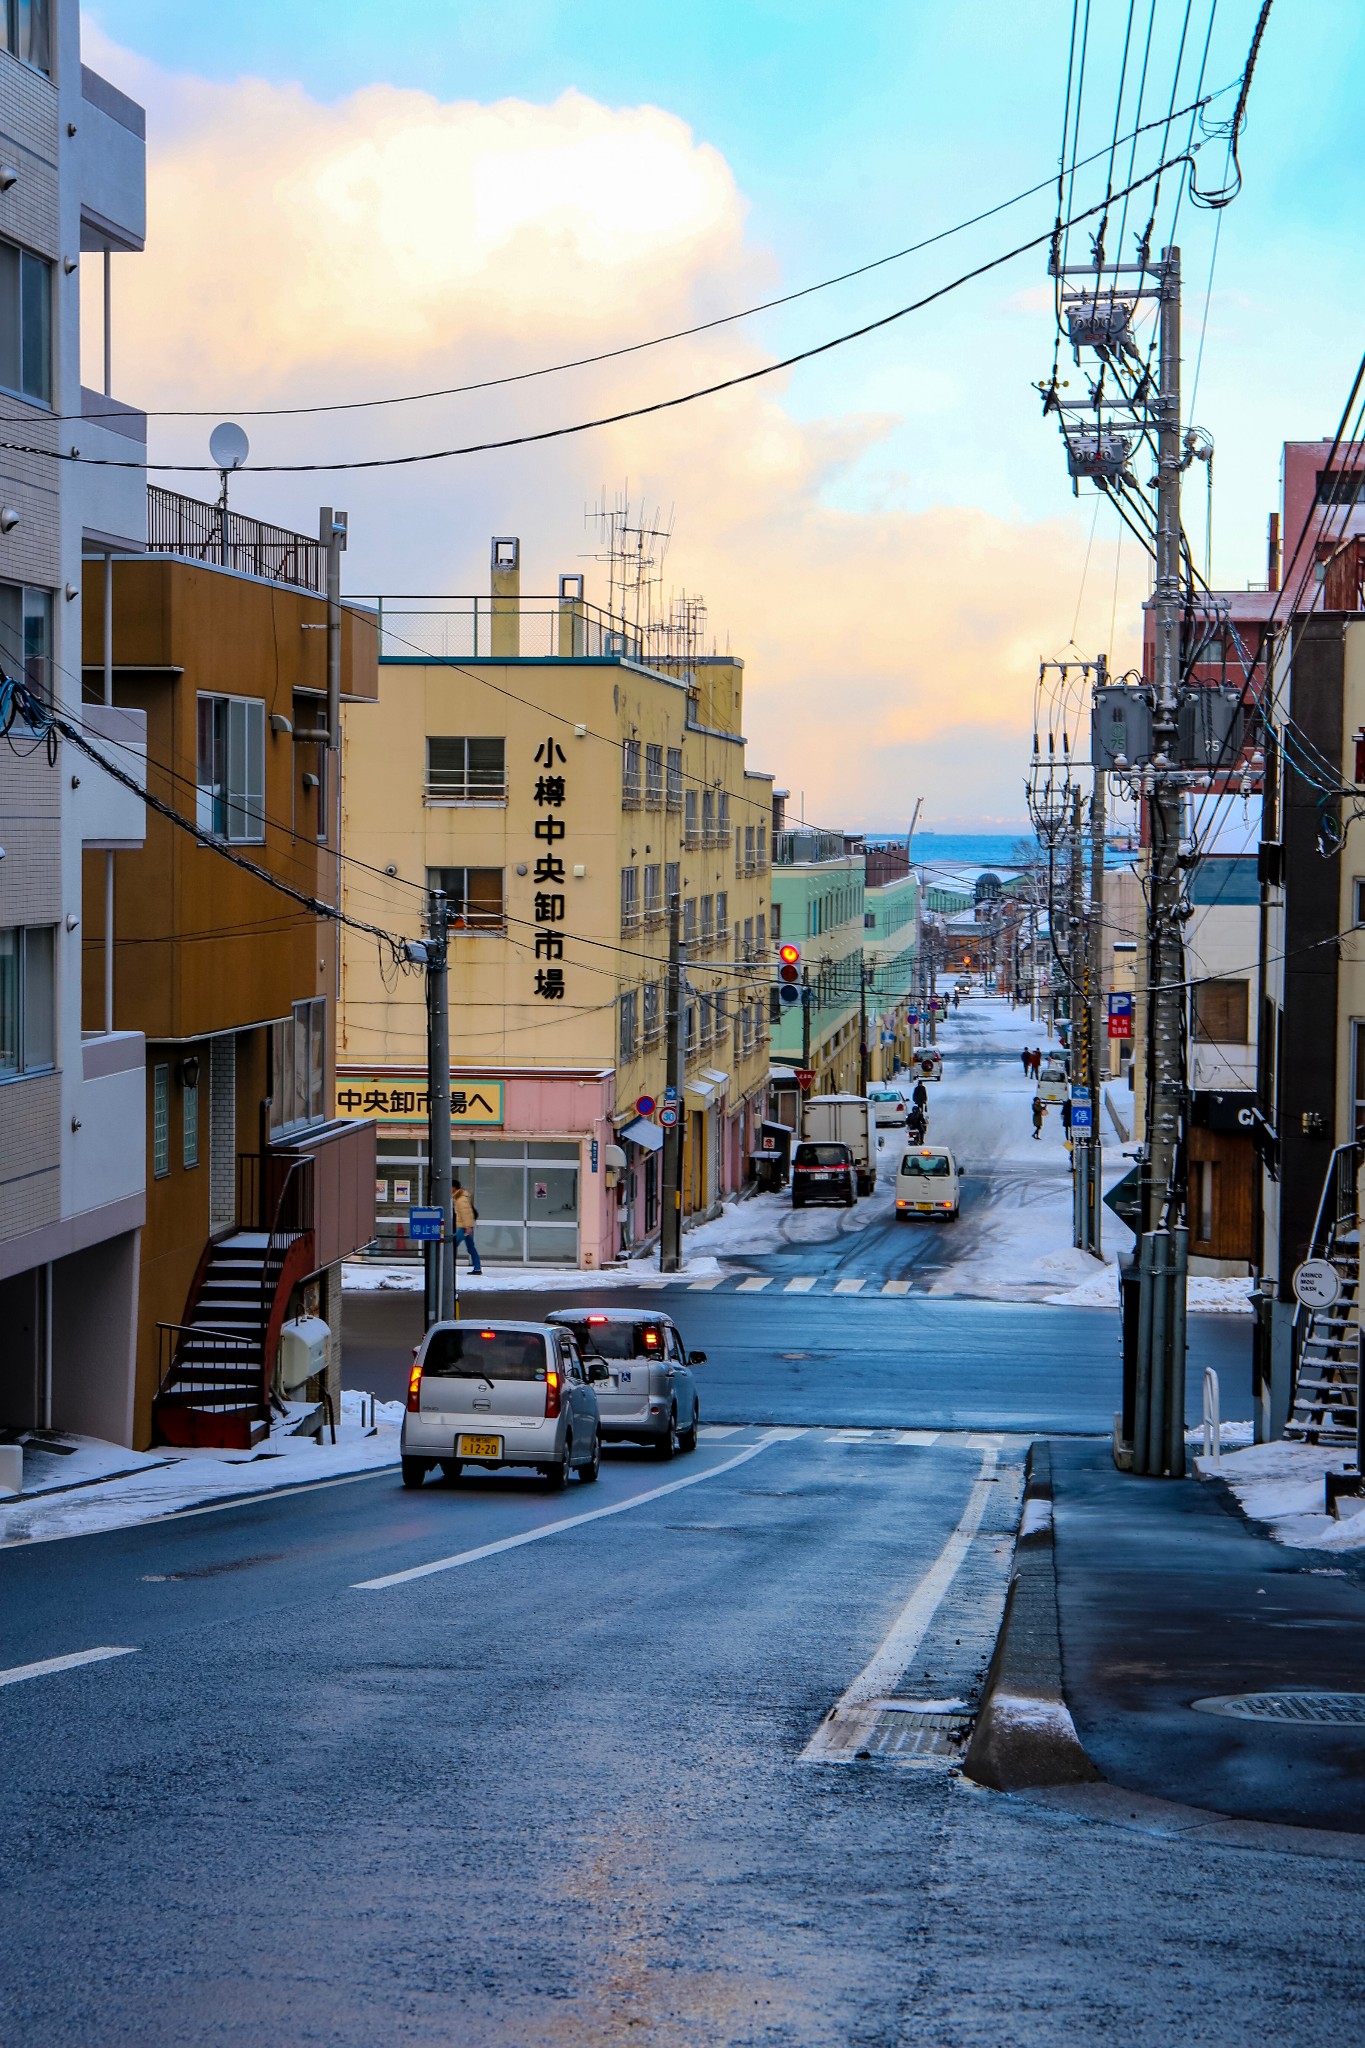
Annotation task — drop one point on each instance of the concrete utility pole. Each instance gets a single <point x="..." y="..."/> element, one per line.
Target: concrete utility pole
<point x="1096" y="1015"/>
<point x="332" y="530"/>
<point x="670" y="1216"/>
<point x="864" y="1057"/>
<point x="805" y="1017"/>
<point x="441" y="1303"/>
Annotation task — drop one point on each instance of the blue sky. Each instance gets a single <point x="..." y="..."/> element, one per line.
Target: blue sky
<point x="848" y="132"/>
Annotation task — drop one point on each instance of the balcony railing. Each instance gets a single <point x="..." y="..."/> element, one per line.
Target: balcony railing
<point x="200" y="532"/>
<point x="426" y="626"/>
<point x="803" y="849"/>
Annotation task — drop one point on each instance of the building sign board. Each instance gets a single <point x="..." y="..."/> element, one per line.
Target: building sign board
<point x="1120" y="1013"/>
<point x="1317" y="1283"/>
<point x="402" y="1099"/>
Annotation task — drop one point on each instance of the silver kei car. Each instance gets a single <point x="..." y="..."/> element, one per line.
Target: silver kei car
<point x="651" y="1396"/>
<point x="489" y="1394"/>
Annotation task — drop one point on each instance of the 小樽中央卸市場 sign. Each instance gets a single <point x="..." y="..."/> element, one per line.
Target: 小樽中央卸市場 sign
<point x="402" y="1099"/>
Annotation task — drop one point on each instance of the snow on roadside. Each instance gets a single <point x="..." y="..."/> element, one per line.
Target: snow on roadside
<point x="375" y="1276"/>
<point x="1281" y="1484"/>
<point x="1216" y="1297"/>
<point x="142" y="1486"/>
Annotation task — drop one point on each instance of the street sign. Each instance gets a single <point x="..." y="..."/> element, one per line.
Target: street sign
<point x="592" y="1160"/>
<point x="425" y="1225"/>
<point x="1080" y="1114"/>
<point x="1125" y="1199"/>
<point x="1120" y="1014"/>
<point x="670" y="1094"/>
<point x="644" y="1105"/>
<point x="805" y="1078"/>
<point x="1317" y="1283"/>
<point x="668" y="1115"/>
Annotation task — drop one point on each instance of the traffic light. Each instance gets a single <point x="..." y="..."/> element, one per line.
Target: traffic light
<point x="789" y="975"/>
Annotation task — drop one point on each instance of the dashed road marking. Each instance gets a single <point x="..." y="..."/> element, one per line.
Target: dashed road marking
<point x="17" y="1673"/>
<point x="849" y="1286"/>
<point x="801" y="1286"/>
<point x="896" y="1287"/>
<point x="753" y="1286"/>
<point x="705" y="1286"/>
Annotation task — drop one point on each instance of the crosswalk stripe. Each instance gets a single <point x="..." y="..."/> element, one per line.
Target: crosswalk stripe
<point x="917" y="1436"/>
<point x="705" y="1286"/>
<point x="849" y="1286"/>
<point x="753" y="1286"/>
<point x="896" y="1287"/>
<point x="801" y="1286"/>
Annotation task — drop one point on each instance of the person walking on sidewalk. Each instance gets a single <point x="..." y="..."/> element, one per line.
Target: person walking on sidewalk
<point x="465" y="1219"/>
<point x="1039" y="1112"/>
<point x="1026" y="1060"/>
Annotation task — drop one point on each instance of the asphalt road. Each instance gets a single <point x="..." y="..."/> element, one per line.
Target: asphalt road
<point x="553" y="1795"/>
<point x="898" y="1362"/>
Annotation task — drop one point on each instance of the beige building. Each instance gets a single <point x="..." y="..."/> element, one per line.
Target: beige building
<point x="560" y="786"/>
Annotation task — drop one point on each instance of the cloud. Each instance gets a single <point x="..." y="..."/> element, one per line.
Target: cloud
<point x="301" y="251"/>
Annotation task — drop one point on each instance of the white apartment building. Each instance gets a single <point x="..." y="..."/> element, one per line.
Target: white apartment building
<point x="72" y="1117"/>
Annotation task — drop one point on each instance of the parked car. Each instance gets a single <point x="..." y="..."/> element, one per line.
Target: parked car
<point x="823" y="1173"/>
<point x="888" y="1106"/>
<point x="650" y="1396"/>
<point x="1054" y="1084"/>
<point x="927" y="1064"/>
<point x="845" y="1120"/>
<point x="492" y="1394"/>
<point x="929" y="1183"/>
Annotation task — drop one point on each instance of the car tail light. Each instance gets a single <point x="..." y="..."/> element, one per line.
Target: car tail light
<point x="552" y="1392"/>
<point x="652" y="1337"/>
<point x="415" y="1386"/>
<point x="597" y="1319"/>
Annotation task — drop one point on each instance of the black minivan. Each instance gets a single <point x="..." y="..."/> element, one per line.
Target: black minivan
<point x="823" y="1173"/>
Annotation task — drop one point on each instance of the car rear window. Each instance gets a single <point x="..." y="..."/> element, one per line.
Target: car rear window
<point x="822" y="1155"/>
<point x="485" y="1354"/>
<point x="924" y="1165"/>
<point x="619" y="1340"/>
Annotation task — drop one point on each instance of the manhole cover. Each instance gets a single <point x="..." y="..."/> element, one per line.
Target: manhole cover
<point x="1323" y="1709"/>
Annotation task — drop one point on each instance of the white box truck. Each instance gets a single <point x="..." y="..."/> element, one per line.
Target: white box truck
<point x="845" y="1120"/>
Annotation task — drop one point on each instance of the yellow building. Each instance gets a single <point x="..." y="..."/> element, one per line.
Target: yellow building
<point x="560" y="786"/>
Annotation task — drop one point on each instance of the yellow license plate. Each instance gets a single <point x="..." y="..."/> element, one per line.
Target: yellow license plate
<point x="924" y="1205"/>
<point x="480" y="1447"/>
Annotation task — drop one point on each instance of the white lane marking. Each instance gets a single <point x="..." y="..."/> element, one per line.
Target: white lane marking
<point x="620" y="1507"/>
<point x="705" y="1286"/>
<point x="801" y="1286"/>
<point x="847" y="1726"/>
<point x="753" y="1286"/>
<point x="788" y="1436"/>
<point x="849" y="1286"/>
<point x="712" y="1432"/>
<point x="896" y="1287"/>
<point x="918" y="1436"/>
<point x="19" y="1672"/>
<point x="848" y="1436"/>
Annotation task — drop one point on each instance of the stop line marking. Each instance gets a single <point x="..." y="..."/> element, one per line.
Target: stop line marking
<point x="18" y="1673"/>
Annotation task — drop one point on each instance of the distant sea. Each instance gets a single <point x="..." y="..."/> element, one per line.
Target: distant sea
<point x="958" y="849"/>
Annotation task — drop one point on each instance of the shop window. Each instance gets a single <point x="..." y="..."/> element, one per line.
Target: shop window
<point x="462" y="770"/>
<point x="474" y="898"/>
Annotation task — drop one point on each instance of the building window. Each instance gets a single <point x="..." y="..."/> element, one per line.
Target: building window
<point x="654" y="777"/>
<point x="474" y="898"/>
<point x="461" y="770"/>
<point x="708" y="817"/>
<point x="708" y="912"/>
<point x="651" y="1013"/>
<point x="189" y="1120"/>
<point x="1220" y="1012"/>
<point x="691" y="833"/>
<point x="25" y="322"/>
<point x="231" y="770"/>
<point x="672" y="883"/>
<point x="675" y="788"/>
<point x="761" y="848"/>
<point x="653" y="892"/>
<point x="689" y="920"/>
<point x="161" y="1122"/>
<point x="630" y="899"/>
<point x="28" y="1035"/>
<point x="722" y="915"/>
<point x="723" y="817"/>
<point x="1360" y="904"/>
<point x="630" y="775"/>
<point x="777" y="926"/>
<point x="298" y="1067"/>
<point x="719" y="1003"/>
<point x="629" y="1010"/>
<point x="26" y="636"/>
<point x="26" y="29"/>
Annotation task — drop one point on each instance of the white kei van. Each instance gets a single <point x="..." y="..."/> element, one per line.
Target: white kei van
<point x="928" y="1183"/>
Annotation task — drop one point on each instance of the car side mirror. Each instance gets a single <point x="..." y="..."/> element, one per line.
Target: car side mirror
<point x="696" y="1358"/>
<point x="598" y="1372"/>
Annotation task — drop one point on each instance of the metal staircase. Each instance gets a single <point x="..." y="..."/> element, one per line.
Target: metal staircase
<point x="1326" y="1389"/>
<point x="218" y="1364"/>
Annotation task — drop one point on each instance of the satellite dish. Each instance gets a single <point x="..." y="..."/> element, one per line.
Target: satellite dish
<point x="229" y="446"/>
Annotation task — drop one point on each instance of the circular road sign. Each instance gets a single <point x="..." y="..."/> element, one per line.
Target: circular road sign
<point x="644" y="1105"/>
<point x="668" y="1115"/>
<point x="1317" y="1283"/>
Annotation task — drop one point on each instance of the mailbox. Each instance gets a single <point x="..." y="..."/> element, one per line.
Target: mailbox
<point x="303" y="1350"/>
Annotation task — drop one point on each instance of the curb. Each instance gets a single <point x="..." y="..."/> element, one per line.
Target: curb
<point x="1024" y="1736"/>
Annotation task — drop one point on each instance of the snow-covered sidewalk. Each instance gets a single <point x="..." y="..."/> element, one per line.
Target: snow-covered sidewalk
<point x="98" y="1486"/>
<point x="1281" y="1484"/>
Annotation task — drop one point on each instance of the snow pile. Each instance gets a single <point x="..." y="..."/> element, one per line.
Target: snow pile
<point x="125" y="1487"/>
<point x="1282" y="1484"/>
<point x="1205" y="1296"/>
<point x="373" y="1276"/>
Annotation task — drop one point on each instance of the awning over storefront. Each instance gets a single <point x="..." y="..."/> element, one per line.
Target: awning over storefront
<point x="643" y="1133"/>
<point x="700" y="1094"/>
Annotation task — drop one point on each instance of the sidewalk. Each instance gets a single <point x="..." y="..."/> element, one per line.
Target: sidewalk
<point x="1165" y="1595"/>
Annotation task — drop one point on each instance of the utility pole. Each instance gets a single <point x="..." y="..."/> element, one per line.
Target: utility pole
<point x="864" y="1058"/>
<point x="805" y="1018"/>
<point x="670" y="1218"/>
<point x="1096" y="1018"/>
<point x="442" y="1303"/>
<point x="1078" y="1068"/>
<point x="332" y="530"/>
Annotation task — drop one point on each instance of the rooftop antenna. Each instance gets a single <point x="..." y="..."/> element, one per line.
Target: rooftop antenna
<point x="228" y="448"/>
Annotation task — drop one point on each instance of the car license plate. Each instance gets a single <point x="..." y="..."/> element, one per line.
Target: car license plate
<point x="924" y="1205"/>
<point x="480" y="1447"/>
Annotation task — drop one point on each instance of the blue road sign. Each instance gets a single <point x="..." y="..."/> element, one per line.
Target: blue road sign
<point x="424" y="1225"/>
